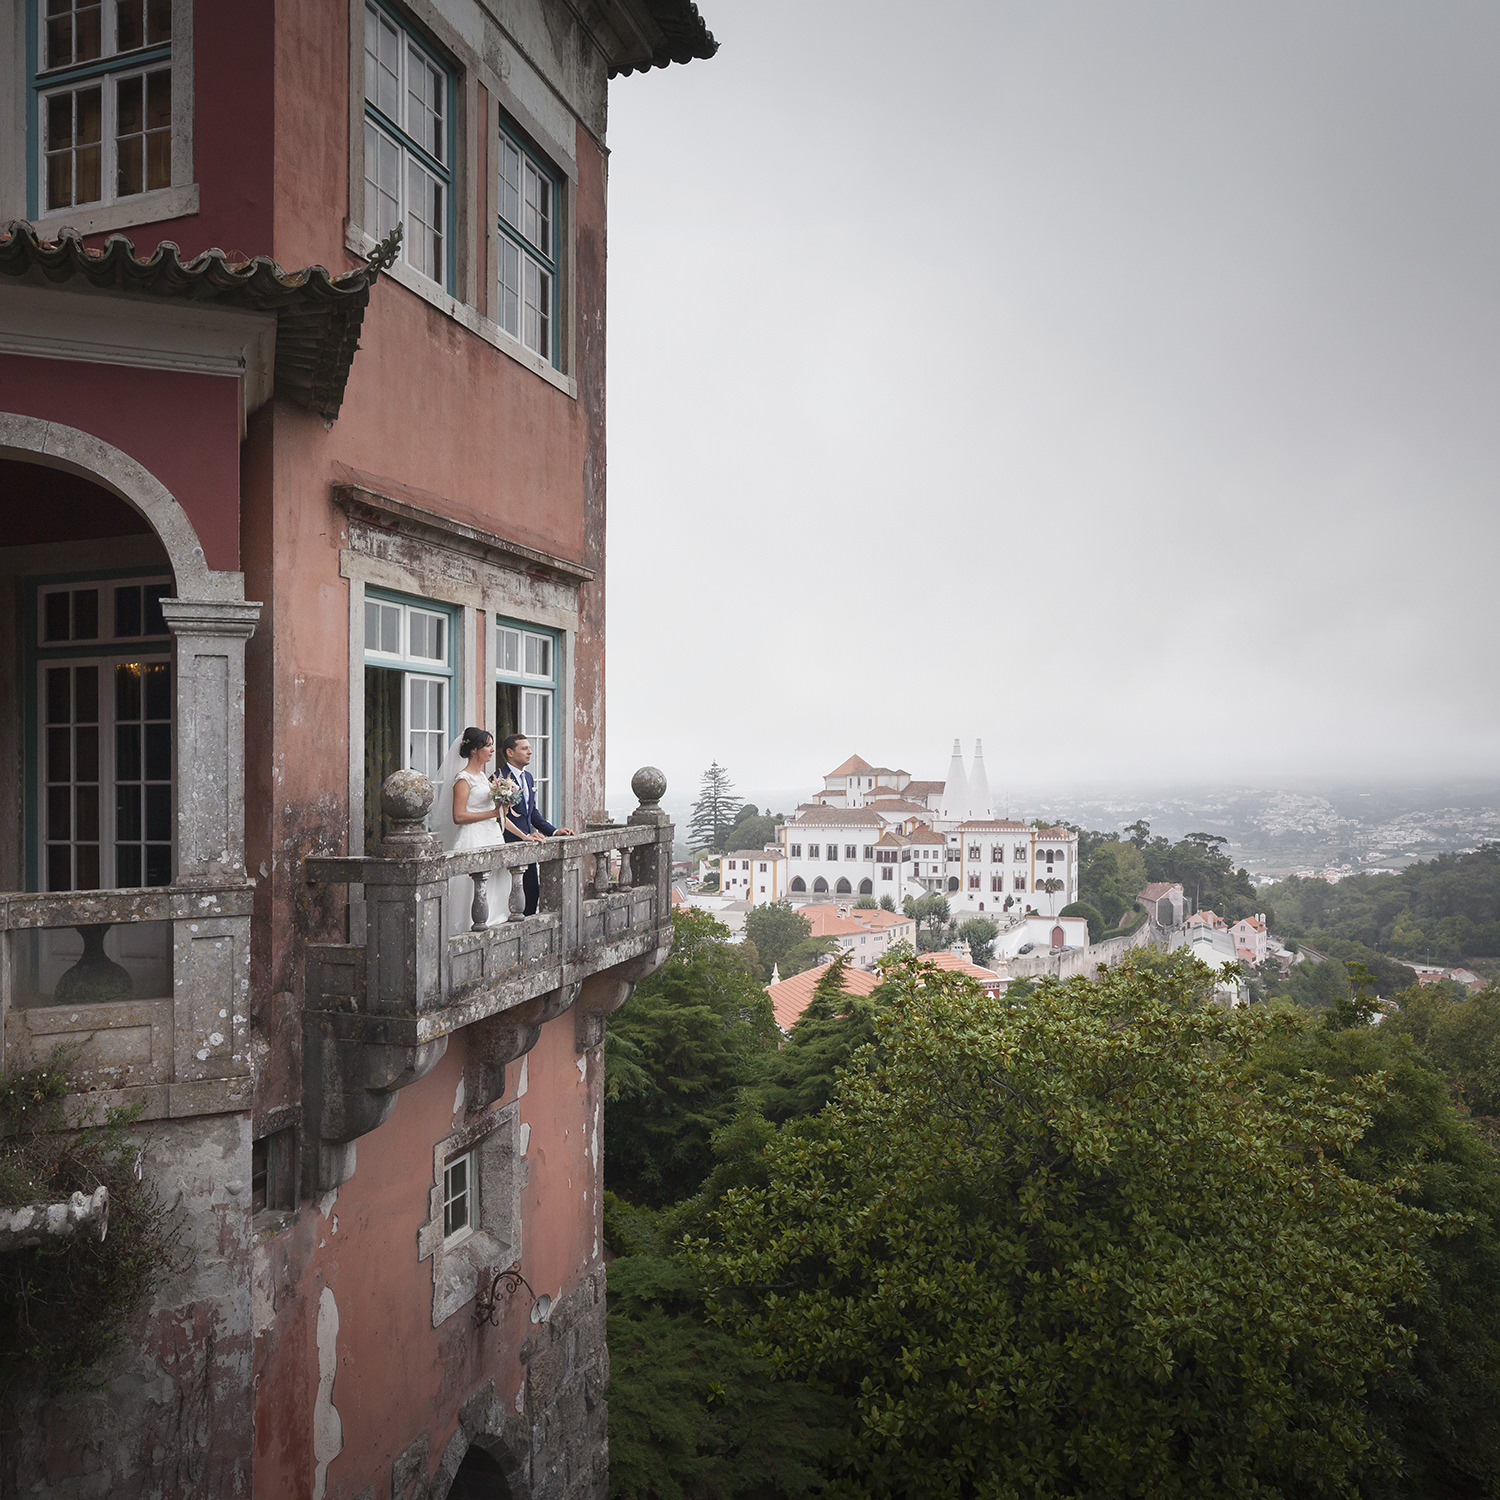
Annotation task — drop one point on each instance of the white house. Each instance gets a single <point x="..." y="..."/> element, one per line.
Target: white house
<point x="865" y="935"/>
<point x="754" y="875"/>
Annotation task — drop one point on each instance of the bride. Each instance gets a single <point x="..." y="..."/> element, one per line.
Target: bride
<point x="467" y="816"/>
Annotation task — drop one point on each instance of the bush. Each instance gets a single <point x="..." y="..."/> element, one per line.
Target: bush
<point x="66" y="1305"/>
<point x="1090" y="913"/>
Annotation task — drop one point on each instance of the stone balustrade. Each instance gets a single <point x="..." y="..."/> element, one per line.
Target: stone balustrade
<point x="377" y="1015"/>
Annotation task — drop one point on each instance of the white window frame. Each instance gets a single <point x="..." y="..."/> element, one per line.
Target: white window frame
<point x="528" y="215"/>
<point x="416" y="670"/>
<point x="394" y="130"/>
<point x="469" y="1196"/>
<point x="539" y="694"/>
<point x="23" y="153"/>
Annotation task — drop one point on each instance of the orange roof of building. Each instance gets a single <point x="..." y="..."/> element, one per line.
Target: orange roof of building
<point x="754" y="854"/>
<point x="1010" y="825"/>
<point x="869" y="917"/>
<point x="792" y="996"/>
<point x="1254" y="922"/>
<point x="922" y="834"/>
<point x="901" y="807"/>
<point x="850" y="766"/>
<point x="1159" y="888"/>
<point x="957" y="965"/>
<point x="825" y="921"/>
<point x="922" y="788"/>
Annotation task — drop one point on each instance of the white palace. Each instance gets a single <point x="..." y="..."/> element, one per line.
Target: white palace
<point x="873" y="831"/>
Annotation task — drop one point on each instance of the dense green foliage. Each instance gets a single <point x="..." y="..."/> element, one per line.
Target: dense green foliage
<point x="1438" y="911"/>
<point x="686" y="1043"/>
<point x="980" y="934"/>
<point x="1116" y="870"/>
<point x="1094" y="1239"/>
<point x="1091" y="914"/>
<point x="783" y="939"/>
<point x="1071" y="1249"/>
<point x="67" y="1305"/>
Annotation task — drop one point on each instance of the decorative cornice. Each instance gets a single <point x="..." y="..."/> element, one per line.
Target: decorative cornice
<point x="390" y="512"/>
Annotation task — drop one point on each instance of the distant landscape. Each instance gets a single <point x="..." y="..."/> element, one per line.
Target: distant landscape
<point x="1274" y="829"/>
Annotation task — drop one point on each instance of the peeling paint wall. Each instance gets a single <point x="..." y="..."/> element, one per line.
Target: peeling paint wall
<point x="170" y="1421"/>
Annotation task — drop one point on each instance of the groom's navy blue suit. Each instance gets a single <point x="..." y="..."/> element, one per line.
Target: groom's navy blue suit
<point x="524" y="815"/>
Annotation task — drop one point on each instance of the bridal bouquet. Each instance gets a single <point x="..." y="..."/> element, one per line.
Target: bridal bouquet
<point x="507" y="793"/>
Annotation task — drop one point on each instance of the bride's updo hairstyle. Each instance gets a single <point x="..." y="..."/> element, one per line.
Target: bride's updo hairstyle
<point x="474" y="739"/>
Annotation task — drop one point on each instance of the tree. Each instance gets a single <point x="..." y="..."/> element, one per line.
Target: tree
<point x="1089" y="913"/>
<point x="932" y="913"/>
<point x="887" y="903"/>
<point x="1035" y="1244"/>
<point x="980" y="934"/>
<point x="1113" y="876"/>
<point x="693" y="1034"/>
<point x="776" y="929"/>
<point x="867" y="903"/>
<point x="753" y="833"/>
<point x="713" y="814"/>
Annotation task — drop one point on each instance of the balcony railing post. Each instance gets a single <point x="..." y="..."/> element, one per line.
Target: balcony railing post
<point x="653" y="862"/>
<point x="407" y="897"/>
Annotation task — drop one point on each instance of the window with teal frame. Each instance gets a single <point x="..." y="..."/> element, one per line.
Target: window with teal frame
<point x="530" y="199"/>
<point x="410" y="677"/>
<point x="100" y="73"/>
<point x="101" y="732"/>
<point x="526" y="668"/>
<point x="410" y="144"/>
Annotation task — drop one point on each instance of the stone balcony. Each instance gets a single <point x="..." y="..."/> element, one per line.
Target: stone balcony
<point x="377" y="1015"/>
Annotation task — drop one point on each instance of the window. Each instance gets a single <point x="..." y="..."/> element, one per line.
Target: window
<point x="796" y="851"/>
<point x="103" y="101"/>
<point x="974" y="851"/>
<point x="869" y="851"/>
<point x="997" y="854"/>
<point x="408" y="147"/>
<point x="273" y="1181"/>
<point x="408" y="692"/>
<point x="812" y="851"/>
<point x="997" y="883"/>
<point x="529" y="243"/>
<point x="851" y="851"/>
<point x="833" y="852"/>
<point x="886" y="873"/>
<point x="460" y="1199"/>
<point x="763" y="871"/>
<point x="526" y="673"/>
<point x="1020" y="882"/>
<point x="1020" y="854"/>
<point x="973" y="882"/>
<point x="104" y="740"/>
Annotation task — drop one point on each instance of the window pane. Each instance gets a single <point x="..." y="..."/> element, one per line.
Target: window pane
<point x="510" y="183"/>
<point x="424" y="235"/>
<point x="159" y="128"/>
<point x="86" y="696"/>
<point x="537" y="211"/>
<point x="424" y="102"/>
<point x="130" y="25"/>
<point x="382" y="63"/>
<point x="158" y="21"/>
<point x="158" y="691"/>
<point x="510" y="289"/>
<point x="127" y="754"/>
<point x="128" y="610"/>
<point x="56" y="624"/>
<point x="382" y="183"/>
<point x="85" y="614"/>
<point x="508" y="651"/>
<point x="159" y="812"/>
<point x="155" y="622"/>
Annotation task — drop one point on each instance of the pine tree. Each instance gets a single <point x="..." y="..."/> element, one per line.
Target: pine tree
<point x="714" y="812"/>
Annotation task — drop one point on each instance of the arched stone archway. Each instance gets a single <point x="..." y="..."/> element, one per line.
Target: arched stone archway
<point x="798" y="883"/>
<point x="820" y="886"/>
<point x="953" y="882"/>
<point x="52" y="445"/>
<point x="867" y="887"/>
<point x="210" y="622"/>
<point x="843" y="888"/>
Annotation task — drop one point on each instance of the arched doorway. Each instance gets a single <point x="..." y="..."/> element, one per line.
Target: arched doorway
<point x="867" y="887"/>
<point x="953" y="882"/>
<point x="1059" y="939"/>
<point x="798" y="884"/>
<point x="843" y="888"/>
<point x="479" y="1477"/>
<point x="820" y="886"/>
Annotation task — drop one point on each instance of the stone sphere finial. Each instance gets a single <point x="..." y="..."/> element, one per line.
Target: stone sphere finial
<point x="649" y="786"/>
<point x="406" y="798"/>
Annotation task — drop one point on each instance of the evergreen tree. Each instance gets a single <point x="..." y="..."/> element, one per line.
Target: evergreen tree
<point x="715" y="810"/>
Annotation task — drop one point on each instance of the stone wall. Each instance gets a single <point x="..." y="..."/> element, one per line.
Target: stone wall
<point x="1085" y="961"/>
<point x="170" y="1419"/>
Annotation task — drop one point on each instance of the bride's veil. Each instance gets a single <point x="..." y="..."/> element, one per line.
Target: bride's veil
<point x="442" y="802"/>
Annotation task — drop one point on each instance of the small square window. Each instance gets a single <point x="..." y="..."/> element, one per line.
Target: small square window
<point x="460" y="1198"/>
<point x="273" y="1183"/>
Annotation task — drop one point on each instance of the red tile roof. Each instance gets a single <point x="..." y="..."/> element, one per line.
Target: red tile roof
<point x="1159" y="888"/>
<point x="957" y="965"/>
<point x="792" y="996"/>
<point x="839" y="817"/>
<point x="850" y="766"/>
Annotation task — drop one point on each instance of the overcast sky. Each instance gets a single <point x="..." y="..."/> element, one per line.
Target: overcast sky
<point x="1118" y="382"/>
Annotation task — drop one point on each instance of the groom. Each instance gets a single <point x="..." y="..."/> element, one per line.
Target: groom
<point x="534" y="827"/>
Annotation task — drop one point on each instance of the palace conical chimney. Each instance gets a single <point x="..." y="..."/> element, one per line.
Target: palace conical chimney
<point x="956" y="788"/>
<point x="979" y="786"/>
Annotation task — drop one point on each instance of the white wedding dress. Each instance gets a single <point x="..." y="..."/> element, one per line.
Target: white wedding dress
<point x="485" y="835"/>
